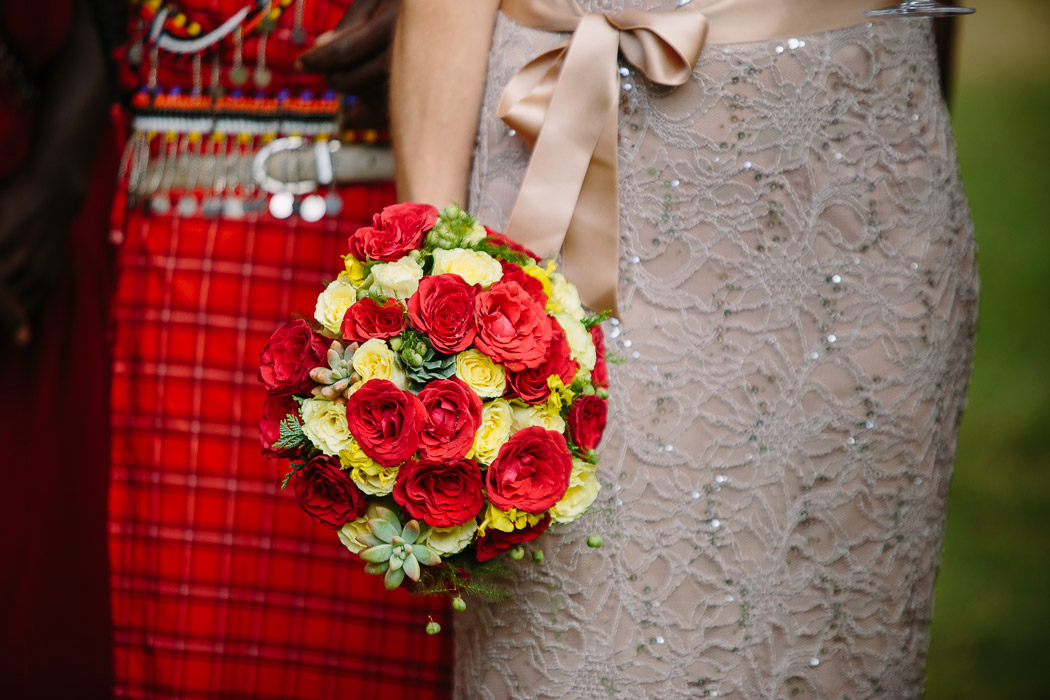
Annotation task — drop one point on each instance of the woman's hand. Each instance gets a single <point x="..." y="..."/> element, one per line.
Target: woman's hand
<point x="355" y="59"/>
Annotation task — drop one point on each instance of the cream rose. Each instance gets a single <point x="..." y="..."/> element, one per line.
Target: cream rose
<point x="397" y="279"/>
<point x="476" y="234"/>
<point x="473" y="266"/>
<point x="581" y="345"/>
<point x="564" y="297"/>
<point x="332" y="304"/>
<point x="477" y="370"/>
<point x="497" y="425"/>
<point x="583" y="489"/>
<point x="349" y="533"/>
<point x="449" y="540"/>
<point x="543" y="415"/>
<point x="374" y="359"/>
<point x="324" y="423"/>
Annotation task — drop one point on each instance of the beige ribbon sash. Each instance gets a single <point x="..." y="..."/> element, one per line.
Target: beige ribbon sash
<point x="563" y="103"/>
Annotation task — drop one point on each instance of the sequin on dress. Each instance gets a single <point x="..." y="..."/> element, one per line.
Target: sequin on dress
<point x="799" y="297"/>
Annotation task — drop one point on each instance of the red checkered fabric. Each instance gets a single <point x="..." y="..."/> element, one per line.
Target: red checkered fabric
<point x="222" y="586"/>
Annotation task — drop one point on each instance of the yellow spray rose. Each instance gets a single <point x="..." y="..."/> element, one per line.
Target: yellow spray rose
<point x="487" y="378"/>
<point x="374" y="359"/>
<point x="507" y="521"/>
<point x="397" y="279"/>
<point x="355" y="271"/>
<point x="542" y="274"/>
<point x="497" y="425"/>
<point x="473" y="266"/>
<point x="370" y="477"/>
<point x="324" y="423"/>
<point x="583" y="489"/>
<point x="449" y="540"/>
<point x="332" y="304"/>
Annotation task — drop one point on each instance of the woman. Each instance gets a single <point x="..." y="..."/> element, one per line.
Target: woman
<point x="796" y="315"/>
<point x="222" y="587"/>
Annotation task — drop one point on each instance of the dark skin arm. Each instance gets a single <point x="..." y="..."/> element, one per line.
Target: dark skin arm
<point x="355" y="59"/>
<point x="39" y="201"/>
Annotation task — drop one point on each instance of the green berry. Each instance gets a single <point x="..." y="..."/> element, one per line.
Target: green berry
<point x="537" y="556"/>
<point x="459" y="604"/>
<point x="517" y="553"/>
<point x="588" y="389"/>
<point x="594" y="541"/>
<point x="395" y="344"/>
<point x="433" y="627"/>
<point x="603" y="393"/>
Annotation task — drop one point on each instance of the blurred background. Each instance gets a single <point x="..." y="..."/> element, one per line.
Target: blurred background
<point x="991" y="625"/>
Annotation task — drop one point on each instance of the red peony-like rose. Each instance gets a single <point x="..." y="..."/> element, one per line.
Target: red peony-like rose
<point x="600" y="375"/>
<point x="274" y="410"/>
<point x="500" y="239"/>
<point x="586" y="421"/>
<point x="497" y="542"/>
<point x="453" y="418"/>
<point x="531" y="384"/>
<point x="394" y="231"/>
<point x="442" y="493"/>
<point x="369" y="319"/>
<point x="327" y="493"/>
<point x="443" y="308"/>
<point x="514" y="273"/>
<point x="531" y="472"/>
<point x="385" y="421"/>
<point x="285" y="363"/>
<point x="512" y="328"/>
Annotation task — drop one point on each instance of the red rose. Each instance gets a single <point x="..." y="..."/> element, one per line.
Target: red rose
<point x="394" y="231"/>
<point x="276" y="409"/>
<point x="512" y="328"/>
<point x="369" y="319"/>
<point x="514" y="273"/>
<point x="443" y="308"/>
<point x="497" y="542"/>
<point x="442" y="493"/>
<point x="327" y="493"/>
<point x="500" y="239"/>
<point x="600" y="375"/>
<point x="453" y="417"/>
<point x="531" y="384"/>
<point x="586" y="421"/>
<point x="285" y="363"/>
<point x="531" y="472"/>
<point x="385" y="421"/>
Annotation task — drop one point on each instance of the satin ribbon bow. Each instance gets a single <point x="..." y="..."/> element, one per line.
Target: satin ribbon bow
<point x="564" y="104"/>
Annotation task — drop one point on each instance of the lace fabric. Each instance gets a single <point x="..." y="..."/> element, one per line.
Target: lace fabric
<point x="799" y="299"/>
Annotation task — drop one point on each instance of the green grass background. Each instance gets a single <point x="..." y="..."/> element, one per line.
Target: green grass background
<point x="991" y="626"/>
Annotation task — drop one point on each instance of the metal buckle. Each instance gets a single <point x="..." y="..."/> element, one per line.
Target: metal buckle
<point x="323" y="152"/>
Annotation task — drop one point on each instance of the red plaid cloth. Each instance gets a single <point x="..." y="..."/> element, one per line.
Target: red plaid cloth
<point x="222" y="586"/>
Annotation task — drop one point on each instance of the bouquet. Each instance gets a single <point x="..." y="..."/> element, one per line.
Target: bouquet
<point x="444" y="405"/>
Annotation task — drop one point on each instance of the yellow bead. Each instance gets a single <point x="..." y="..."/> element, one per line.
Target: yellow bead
<point x="194" y="29"/>
<point x="274" y="13"/>
<point x="179" y="20"/>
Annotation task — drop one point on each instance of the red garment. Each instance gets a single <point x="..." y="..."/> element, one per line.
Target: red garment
<point x="223" y="587"/>
<point x="55" y="633"/>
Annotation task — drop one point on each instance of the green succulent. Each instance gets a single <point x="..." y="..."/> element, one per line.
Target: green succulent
<point x="392" y="550"/>
<point x="421" y="361"/>
<point x="337" y="377"/>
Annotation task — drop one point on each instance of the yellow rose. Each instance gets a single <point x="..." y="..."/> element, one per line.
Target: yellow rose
<point x="497" y="425"/>
<point x="583" y="489"/>
<point x="581" y="345"/>
<point x="449" y="540"/>
<point x="473" y="266"/>
<point x="374" y="359"/>
<point x="543" y="415"/>
<point x="355" y="271"/>
<point x="480" y="373"/>
<point x="543" y="275"/>
<point x="564" y="297"/>
<point x="332" y="303"/>
<point x="397" y="279"/>
<point x="355" y="528"/>
<point x="324" y="423"/>
<point x="372" y="478"/>
<point x="507" y="521"/>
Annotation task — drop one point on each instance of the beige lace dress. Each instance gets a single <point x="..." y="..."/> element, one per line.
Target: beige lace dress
<point x="798" y="309"/>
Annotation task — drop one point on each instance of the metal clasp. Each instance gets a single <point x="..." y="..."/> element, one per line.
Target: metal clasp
<point x="323" y="150"/>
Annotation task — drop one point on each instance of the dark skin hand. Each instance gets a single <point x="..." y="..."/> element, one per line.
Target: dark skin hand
<point x="355" y="59"/>
<point x="40" y="199"/>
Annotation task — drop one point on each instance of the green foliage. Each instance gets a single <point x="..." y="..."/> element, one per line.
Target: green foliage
<point x="502" y="252"/>
<point x="295" y="466"/>
<point x="291" y="435"/>
<point x="459" y="575"/>
<point x="591" y="320"/>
